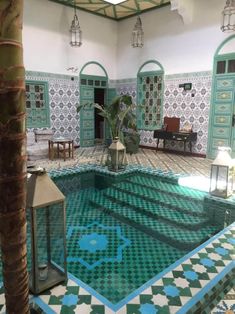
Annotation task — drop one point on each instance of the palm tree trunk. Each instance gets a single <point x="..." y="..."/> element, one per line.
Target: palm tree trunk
<point x="13" y="158"/>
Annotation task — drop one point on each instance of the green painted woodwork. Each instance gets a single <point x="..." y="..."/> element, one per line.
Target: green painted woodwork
<point x="219" y="142"/>
<point x="158" y="64"/>
<point x="37" y="104"/>
<point x="223" y="84"/>
<point x="221" y="129"/>
<point x="150" y="99"/>
<point x="94" y="63"/>
<point x="86" y="117"/>
<point x="115" y="12"/>
<point x="221" y="132"/>
<point x="223" y="109"/>
<point x="224" y="96"/>
<point x="88" y="83"/>
<point x="112" y="93"/>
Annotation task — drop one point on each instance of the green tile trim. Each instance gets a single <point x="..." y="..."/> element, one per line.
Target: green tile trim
<point x="188" y="75"/>
<point x="51" y="75"/>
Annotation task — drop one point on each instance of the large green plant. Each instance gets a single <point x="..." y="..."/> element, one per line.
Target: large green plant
<point x="119" y="115"/>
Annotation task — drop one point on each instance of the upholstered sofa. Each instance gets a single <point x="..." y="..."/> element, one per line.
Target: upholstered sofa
<point x="37" y="144"/>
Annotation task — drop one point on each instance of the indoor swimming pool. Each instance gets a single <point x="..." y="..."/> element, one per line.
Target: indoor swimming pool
<point x="138" y="239"/>
<point x="123" y="232"/>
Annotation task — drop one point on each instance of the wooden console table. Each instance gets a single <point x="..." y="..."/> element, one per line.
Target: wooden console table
<point x="60" y="145"/>
<point x="175" y="136"/>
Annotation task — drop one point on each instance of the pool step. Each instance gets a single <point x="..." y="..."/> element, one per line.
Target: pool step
<point x="126" y="194"/>
<point x="176" y="236"/>
<point x="167" y="187"/>
<point x="159" y="193"/>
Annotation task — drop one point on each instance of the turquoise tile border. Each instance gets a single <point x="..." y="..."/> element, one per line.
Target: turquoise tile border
<point x="51" y="75"/>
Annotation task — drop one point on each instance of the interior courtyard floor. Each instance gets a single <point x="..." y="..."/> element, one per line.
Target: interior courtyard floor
<point x="177" y="163"/>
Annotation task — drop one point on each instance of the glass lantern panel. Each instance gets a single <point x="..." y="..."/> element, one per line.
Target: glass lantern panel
<point x="116" y="159"/>
<point x="230" y="181"/>
<point x="213" y="178"/>
<point x="57" y="240"/>
<point x="221" y="180"/>
<point x="48" y="255"/>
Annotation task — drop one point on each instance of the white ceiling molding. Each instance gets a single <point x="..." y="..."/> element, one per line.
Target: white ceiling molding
<point x="184" y="8"/>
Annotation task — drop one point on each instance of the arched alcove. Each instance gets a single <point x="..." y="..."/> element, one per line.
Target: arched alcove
<point x="93" y="89"/>
<point x="150" y="81"/>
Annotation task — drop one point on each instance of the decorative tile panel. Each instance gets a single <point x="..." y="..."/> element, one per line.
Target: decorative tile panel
<point x="150" y="88"/>
<point x="63" y="101"/>
<point x="37" y="106"/>
<point x="191" y="106"/>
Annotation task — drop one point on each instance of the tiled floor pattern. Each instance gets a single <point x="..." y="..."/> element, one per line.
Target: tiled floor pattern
<point x="171" y="295"/>
<point x="145" y="157"/>
<point x="118" y="249"/>
<point x="176" y="292"/>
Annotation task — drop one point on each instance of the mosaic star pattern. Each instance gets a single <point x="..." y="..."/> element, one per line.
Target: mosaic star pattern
<point x="96" y="238"/>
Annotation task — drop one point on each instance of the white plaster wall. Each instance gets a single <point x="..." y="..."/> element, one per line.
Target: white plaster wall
<point x="179" y="48"/>
<point x="46" y="39"/>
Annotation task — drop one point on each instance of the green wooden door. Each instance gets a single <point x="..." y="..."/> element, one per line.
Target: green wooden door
<point x="87" y="117"/>
<point x="222" y="113"/>
<point x="111" y="94"/>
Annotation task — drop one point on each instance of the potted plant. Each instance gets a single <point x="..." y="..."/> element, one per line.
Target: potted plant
<point x="121" y="120"/>
<point x="119" y="115"/>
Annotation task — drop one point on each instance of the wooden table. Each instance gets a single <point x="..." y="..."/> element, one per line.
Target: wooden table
<point x="62" y="145"/>
<point x="175" y="136"/>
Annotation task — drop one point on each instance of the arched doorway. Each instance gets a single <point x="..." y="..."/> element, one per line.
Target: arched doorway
<point x="93" y="89"/>
<point x="150" y="78"/>
<point x="222" y="109"/>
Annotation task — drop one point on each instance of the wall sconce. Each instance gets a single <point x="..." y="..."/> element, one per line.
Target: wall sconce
<point x="75" y="31"/>
<point x="228" y="17"/>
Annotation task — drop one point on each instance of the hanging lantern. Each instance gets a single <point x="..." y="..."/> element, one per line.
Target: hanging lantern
<point x="75" y="31"/>
<point x="116" y="156"/>
<point x="221" y="180"/>
<point x="228" y="17"/>
<point x="138" y="34"/>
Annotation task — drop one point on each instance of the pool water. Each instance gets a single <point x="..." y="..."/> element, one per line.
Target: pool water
<point x="122" y="233"/>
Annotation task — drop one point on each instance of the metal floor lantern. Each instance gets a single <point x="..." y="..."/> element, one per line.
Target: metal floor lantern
<point x="116" y="156"/>
<point x="46" y="215"/>
<point x="221" y="180"/>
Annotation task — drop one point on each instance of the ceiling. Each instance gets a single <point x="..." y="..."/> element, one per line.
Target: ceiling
<point x="116" y="12"/>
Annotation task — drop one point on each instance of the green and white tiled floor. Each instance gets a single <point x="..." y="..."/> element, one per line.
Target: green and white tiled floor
<point x="184" y="287"/>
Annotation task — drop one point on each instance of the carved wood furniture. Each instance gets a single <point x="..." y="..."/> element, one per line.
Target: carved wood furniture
<point x="171" y="132"/>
